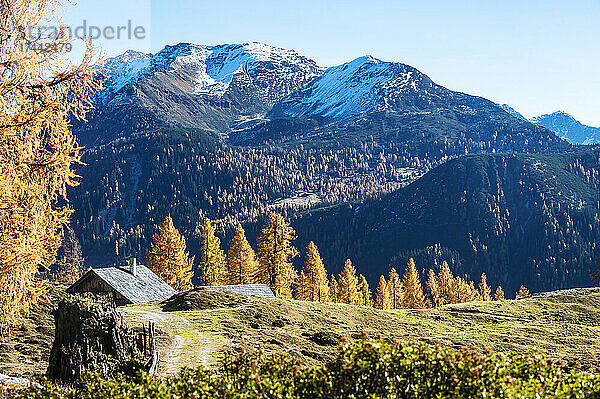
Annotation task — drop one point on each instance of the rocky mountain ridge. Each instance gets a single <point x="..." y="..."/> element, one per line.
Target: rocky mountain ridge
<point x="563" y="124"/>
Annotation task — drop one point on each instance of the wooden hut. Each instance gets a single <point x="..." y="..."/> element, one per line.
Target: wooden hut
<point x="128" y="284"/>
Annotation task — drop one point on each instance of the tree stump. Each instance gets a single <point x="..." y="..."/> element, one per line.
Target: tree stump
<point x="91" y="335"/>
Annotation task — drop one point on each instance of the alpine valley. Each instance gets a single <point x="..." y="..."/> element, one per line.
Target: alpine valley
<point x="370" y="159"/>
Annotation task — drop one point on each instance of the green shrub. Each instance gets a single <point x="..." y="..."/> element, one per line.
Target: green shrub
<point x="325" y="338"/>
<point x="361" y="370"/>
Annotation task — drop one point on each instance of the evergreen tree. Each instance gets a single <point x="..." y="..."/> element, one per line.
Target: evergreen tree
<point x="315" y="285"/>
<point x="499" y="295"/>
<point x="595" y="274"/>
<point x="168" y="258"/>
<point x="395" y="288"/>
<point x="413" y="297"/>
<point x="382" y="295"/>
<point x="212" y="257"/>
<point x="434" y="289"/>
<point x="366" y="298"/>
<point x="275" y="254"/>
<point x="348" y="285"/>
<point x="242" y="266"/>
<point x="485" y="291"/>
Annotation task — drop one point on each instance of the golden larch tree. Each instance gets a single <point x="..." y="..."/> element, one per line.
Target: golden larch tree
<point x="348" y="285"/>
<point x="435" y="294"/>
<point x="41" y="93"/>
<point x="302" y="287"/>
<point x="275" y="253"/>
<point x="462" y="291"/>
<point x="242" y="266"/>
<point x="382" y="295"/>
<point x="168" y="257"/>
<point x="313" y="281"/>
<point x="334" y="290"/>
<point x="522" y="293"/>
<point x="485" y="291"/>
<point x="474" y="292"/>
<point x="499" y="294"/>
<point x="395" y="288"/>
<point x="445" y="281"/>
<point x="455" y="293"/>
<point x="213" y="266"/>
<point x="366" y="297"/>
<point x="413" y="296"/>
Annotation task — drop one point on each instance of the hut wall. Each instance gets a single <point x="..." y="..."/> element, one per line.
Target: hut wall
<point x="94" y="284"/>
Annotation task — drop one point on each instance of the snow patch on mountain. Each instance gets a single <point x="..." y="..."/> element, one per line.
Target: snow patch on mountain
<point x="512" y="111"/>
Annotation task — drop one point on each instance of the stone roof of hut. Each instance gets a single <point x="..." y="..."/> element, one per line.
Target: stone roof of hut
<point x="144" y="286"/>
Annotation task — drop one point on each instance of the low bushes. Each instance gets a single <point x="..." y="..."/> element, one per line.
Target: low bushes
<point x="362" y="370"/>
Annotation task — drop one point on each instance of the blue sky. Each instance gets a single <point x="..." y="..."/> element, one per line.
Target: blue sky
<point x="538" y="56"/>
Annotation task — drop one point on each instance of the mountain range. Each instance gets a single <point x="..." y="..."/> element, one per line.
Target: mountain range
<point x="563" y="124"/>
<point x="206" y="87"/>
<point x="235" y="131"/>
<point x="248" y="89"/>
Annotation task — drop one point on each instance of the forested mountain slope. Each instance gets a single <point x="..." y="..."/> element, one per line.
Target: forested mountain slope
<point x="522" y="219"/>
<point x="131" y="184"/>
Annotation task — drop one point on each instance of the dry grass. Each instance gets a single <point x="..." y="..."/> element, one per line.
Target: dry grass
<point x="564" y="326"/>
<point x="26" y="350"/>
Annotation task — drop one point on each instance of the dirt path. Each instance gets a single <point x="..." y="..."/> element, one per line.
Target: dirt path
<point x="190" y="342"/>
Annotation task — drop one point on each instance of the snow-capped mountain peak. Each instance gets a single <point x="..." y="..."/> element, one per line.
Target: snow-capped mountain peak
<point x="207" y="87"/>
<point x="126" y="68"/>
<point x="568" y="128"/>
<point x="358" y="86"/>
<point x="211" y="68"/>
<point x="563" y="124"/>
<point x="557" y="115"/>
<point x="365" y="59"/>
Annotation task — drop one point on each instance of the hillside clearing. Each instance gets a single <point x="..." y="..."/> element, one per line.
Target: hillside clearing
<point x="563" y="325"/>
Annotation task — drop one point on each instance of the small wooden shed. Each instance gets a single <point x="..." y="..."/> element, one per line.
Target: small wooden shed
<point x="128" y="284"/>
